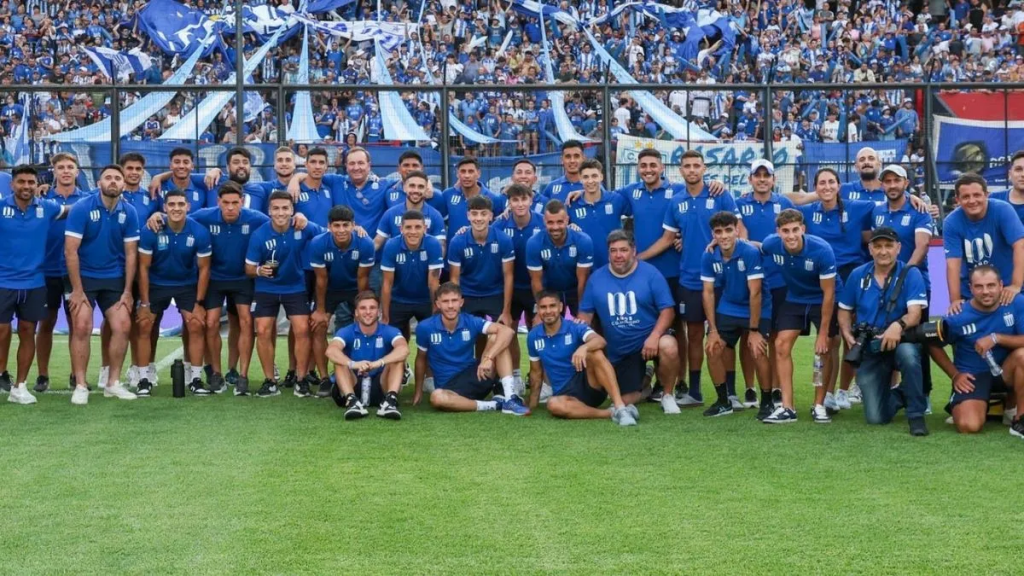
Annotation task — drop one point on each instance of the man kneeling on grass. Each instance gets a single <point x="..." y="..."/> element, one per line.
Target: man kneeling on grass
<point x="372" y="354"/>
<point x="572" y="357"/>
<point x="462" y="383"/>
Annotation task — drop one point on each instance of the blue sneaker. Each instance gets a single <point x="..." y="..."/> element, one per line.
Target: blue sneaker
<point x="232" y="377"/>
<point x="514" y="405"/>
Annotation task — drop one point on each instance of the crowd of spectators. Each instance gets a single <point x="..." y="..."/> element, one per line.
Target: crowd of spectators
<point x="778" y="41"/>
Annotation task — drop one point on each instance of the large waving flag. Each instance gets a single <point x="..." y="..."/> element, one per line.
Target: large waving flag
<point x="389" y="34"/>
<point x="120" y="65"/>
<point x="303" y="125"/>
<point x="317" y="6"/>
<point x="398" y="121"/>
<point x="176" y="28"/>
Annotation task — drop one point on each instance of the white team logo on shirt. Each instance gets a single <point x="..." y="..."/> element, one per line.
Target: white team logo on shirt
<point x="245" y="229"/>
<point x="329" y="257"/>
<point x="467" y="253"/>
<point x="581" y="213"/>
<point x="356" y="345"/>
<point x="880" y="220"/>
<point x="423" y="256"/>
<point x="809" y="265"/>
<point x="545" y="254"/>
<point x="817" y="217"/>
<point x="297" y="235"/>
<point x="608" y="209"/>
<point x="195" y="196"/>
<point x="572" y="251"/>
<point x="539" y="345"/>
<point x="906" y="220"/>
<point x="162" y="241"/>
<point x="747" y="209"/>
<point x="94" y="215"/>
<point x="355" y="254"/>
<point x="215" y="229"/>
<point x="121" y="218"/>
<point x="622" y="303"/>
<point x="40" y="212"/>
<point x="435" y="338"/>
<point x="8" y="212"/>
<point x="741" y="265"/>
<point x="637" y="194"/>
<point x="717" y="267"/>
<point x="684" y="207"/>
<point x="568" y="339"/>
<point x="1008" y="319"/>
<point x="303" y="197"/>
<point x="190" y="241"/>
<point x="379" y="343"/>
<point x="270" y="244"/>
<point x="494" y="247"/>
<point x="969" y="329"/>
<point x="465" y="336"/>
<point x="400" y="259"/>
<point x="455" y="199"/>
<point x="778" y="209"/>
<point x="779" y="259"/>
<point x="709" y="204"/>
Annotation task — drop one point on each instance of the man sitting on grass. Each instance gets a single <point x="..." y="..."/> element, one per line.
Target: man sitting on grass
<point x="572" y="357"/>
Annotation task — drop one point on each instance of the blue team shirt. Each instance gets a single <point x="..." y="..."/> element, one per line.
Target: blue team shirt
<point x="627" y="307"/>
<point x="359" y="346"/>
<point x="907" y="222"/>
<point x="555" y="352"/>
<point x="391" y="223"/>
<point x="598" y="220"/>
<point x="986" y="241"/>
<point x="732" y="276"/>
<point x="396" y="196"/>
<point x="5" y="184"/>
<point x="195" y="193"/>
<point x="559" y="264"/>
<point x="143" y="204"/>
<point x="175" y="254"/>
<point x="970" y="325"/>
<point x="103" y="233"/>
<point x="864" y="296"/>
<point x="453" y="351"/>
<point x="804" y="270"/>
<point x="690" y="216"/>
<point x="1004" y="195"/>
<point x="759" y="220"/>
<point x="288" y="248"/>
<point x="561" y="188"/>
<point x="647" y="207"/>
<point x="852" y="191"/>
<point x="844" y="232"/>
<point x="342" y="264"/>
<point x="21" y="235"/>
<point x="54" y="265"/>
<point x="411" y="268"/>
<point x="456" y="210"/>
<point x="519" y="237"/>
<point x="368" y="203"/>
<point x="481" y="270"/>
<point x="229" y="241"/>
<point x="314" y="203"/>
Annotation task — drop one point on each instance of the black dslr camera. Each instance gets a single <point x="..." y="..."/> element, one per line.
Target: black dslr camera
<point x="927" y="333"/>
<point x="865" y="334"/>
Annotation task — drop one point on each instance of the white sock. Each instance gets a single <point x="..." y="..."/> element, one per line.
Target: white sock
<point x="508" y="386"/>
<point x="104" y="376"/>
<point x="196" y="373"/>
<point x="517" y="374"/>
<point x="151" y="373"/>
<point x="188" y="367"/>
<point x="486" y="405"/>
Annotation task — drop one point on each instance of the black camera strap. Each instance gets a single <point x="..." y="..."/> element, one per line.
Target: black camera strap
<point x="887" y="300"/>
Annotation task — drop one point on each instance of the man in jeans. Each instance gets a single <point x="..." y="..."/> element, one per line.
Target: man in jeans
<point x="886" y="296"/>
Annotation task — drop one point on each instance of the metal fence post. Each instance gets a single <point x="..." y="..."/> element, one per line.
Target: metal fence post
<point x="115" y="124"/>
<point x="239" y="75"/>
<point x="606" y="135"/>
<point x="282" y="129"/>
<point x="445" y="139"/>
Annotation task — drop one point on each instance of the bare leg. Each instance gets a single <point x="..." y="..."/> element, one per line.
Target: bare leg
<point x="969" y="416"/>
<point x="747" y="364"/>
<point x="301" y="349"/>
<point x="601" y="374"/>
<point x="44" y="342"/>
<point x="391" y="378"/>
<point x="144" y="346"/>
<point x="451" y="402"/>
<point x="669" y="359"/>
<point x="104" y="343"/>
<point x="572" y="409"/>
<point x="26" y="348"/>
<point x="196" y="341"/>
<point x="695" y="345"/>
<point x="319" y="346"/>
<point x="120" y="325"/>
<point x="265" y="345"/>
<point x="244" y="340"/>
<point x="79" y="343"/>
<point x="784" y="362"/>
<point x="5" y="345"/>
<point x="211" y="334"/>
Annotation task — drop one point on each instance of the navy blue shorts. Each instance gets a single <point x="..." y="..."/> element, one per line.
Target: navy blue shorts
<point x="778" y="299"/>
<point x="310" y="277"/>
<point x="104" y="292"/>
<point x="691" y="304"/>
<point x="484" y="306"/>
<point x="523" y="304"/>
<point x="401" y="313"/>
<point x="732" y="328"/>
<point x="467" y="385"/>
<point x="28" y="305"/>
<point x="267" y="305"/>
<point x="984" y="386"/>
<point x="802" y="316"/>
<point x="160" y="298"/>
<point x="629" y="371"/>
<point x="579" y="387"/>
<point x="342" y="305"/>
<point x="232" y="292"/>
<point x="55" y="293"/>
<point x="376" y="391"/>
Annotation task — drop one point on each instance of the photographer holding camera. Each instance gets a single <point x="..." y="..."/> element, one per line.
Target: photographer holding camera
<point x="886" y="296"/>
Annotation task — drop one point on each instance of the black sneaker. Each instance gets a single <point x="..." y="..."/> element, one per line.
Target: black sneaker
<point x="42" y="384"/>
<point x="918" y="427"/>
<point x="1017" y="428"/>
<point x="389" y="407"/>
<point x="5" y="381"/>
<point x="217" y="384"/>
<point x="354" y="408"/>
<point x="777" y="397"/>
<point x="232" y="377"/>
<point x="302" y="388"/>
<point x="656" y="394"/>
<point x="750" y="398"/>
<point x="324" y="388"/>
<point x="781" y="415"/>
<point x="719" y="408"/>
<point x="765" y="411"/>
<point x="145" y="389"/>
<point x="241" y="386"/>
<point x="268" y="389"/>
<point x="197" y="388"/>
<point x="406" y="375"/>
<point x="289" y="379"/>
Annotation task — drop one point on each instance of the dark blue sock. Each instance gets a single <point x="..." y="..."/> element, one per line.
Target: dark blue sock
<point x="730" y="382"/>
<point x="695" y="385"/>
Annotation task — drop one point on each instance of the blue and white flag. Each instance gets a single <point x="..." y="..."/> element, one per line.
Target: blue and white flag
<point x="22" y="134"/>
<point x="176" y="28"/>
<point x="263" y="21"/>
<point x="317" y="6"/>
<point x="389" y="34"/>
<point x="119" y="65"/>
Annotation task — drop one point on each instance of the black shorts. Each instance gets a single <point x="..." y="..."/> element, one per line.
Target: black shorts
<point x="232" y="292"/>
<point x="802" y="316"/>
<point x="160" y="298"/>
<point x="467" y="385"/>
<point x="401" y="313"/>
<point x="732" y="328"/>
<point x="484" y="306"/>
<point x="579" y="388"/>
<point x="55" y="293"/>
<point x="984" y="386"/>
<point x="310" y="287"/>
<point x="342" y="304"/>
<point x="28" y="305"/>
<point x="690" y="304"/>
<point x="523" y="304"/>
<point x="376" y="391"/>
<point x="778" y="299"/>
<point x="629" y="372"/>
<point x="104" y="292"/>
<point x="267" y="305"/>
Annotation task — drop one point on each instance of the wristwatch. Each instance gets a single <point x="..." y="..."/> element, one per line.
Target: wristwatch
<point x="143" y="304"/>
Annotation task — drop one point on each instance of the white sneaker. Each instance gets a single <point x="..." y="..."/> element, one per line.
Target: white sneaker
<point x="949" y="420"/>
<point x="830" y="402"/>
<point x="843" y="400"/>
<point x="133" y="377"/>
<point x="20" y="395"/>
<point x="820" y="415"/>
<point x="428" y="384"/>
<point x="545" y="393"/>
<point x="104" y="376"/>
<point x="1008" y="413"/>
<point x="668" y="404"/>
<point x="687" y="401"/>
<point x="153" y="378"/>
<point x="118" y="391"/>
<point x="736" y="404"/>
<point x="80" y="397"/>
<point x="854" y="394"/>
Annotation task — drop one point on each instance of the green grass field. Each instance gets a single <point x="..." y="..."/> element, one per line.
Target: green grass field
<point x="285" y="485"/>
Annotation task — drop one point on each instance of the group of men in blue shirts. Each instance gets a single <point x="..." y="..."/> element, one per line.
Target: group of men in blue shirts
<point x="721" y="274"/>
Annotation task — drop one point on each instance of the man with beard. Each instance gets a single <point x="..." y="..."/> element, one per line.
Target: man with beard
<point x="414" y="189"/>
<point x="411" y="264"/>
<point x="239" y="166"/>
<point x="634" y="304"/>
<point x="24" y="225"/>
<point x="468" y="186"/>
<point x="100" y="248"/>
<point x="868" y="186"/>
<point x="410" y="161"/>
<point x="65" y="193"/>
<point x="560" y="258"/>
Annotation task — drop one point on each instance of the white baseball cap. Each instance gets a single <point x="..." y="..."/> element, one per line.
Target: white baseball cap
<point x="895" y="169"/>
<point x="762" y="163"/>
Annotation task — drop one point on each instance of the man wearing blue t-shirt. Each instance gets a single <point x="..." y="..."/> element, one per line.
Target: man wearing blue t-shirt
<point x="981" y="231"/>
<point x="446" y="343"/>
<point x="988" y="352"/>
<point x="560" y="188"/>
<point x="411" y="265"/>
<point x="101" y="250"/>
<point x="414" y="188"/>
<point x="571" y="356"/>
<point x="1015" y="195"/>
<point x="482" y="262"/>
<point x="24" y="224"/>
<point x="598" y="211"/>
<point x="468" y="186"/>
<point x="341" y="262"/>
<point x="634" y="304"/>
<point x="275" y="258"/>
<point x="314" y="198"/>
<point x="560" y="258"/>
<point x="735" y="268"/>
<point x="372" y="355"/>
<point x="181" y="177"/>
<point x="174" y="264"/>
<point x="809" y="268"/>
<point x="868" y="186"/>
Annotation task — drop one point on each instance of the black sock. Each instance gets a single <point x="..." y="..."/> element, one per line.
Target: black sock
<point x="723" y="394"/>
<point x="350" y="400"/>
<point x="730" y="382"/>
<point x="694" y="388"/>
<point x="766" y="397"/>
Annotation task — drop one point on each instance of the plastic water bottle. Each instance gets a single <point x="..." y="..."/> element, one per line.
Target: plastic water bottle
<point x="993" y="366"/>
<point x="819" y="366"/>
<point x="364" y="390"/>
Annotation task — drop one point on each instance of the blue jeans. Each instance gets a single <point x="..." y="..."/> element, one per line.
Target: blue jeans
<point x="881" y="400"/>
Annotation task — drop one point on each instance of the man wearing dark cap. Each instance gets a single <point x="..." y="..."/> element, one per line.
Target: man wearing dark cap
<point x="880" y="300"/>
